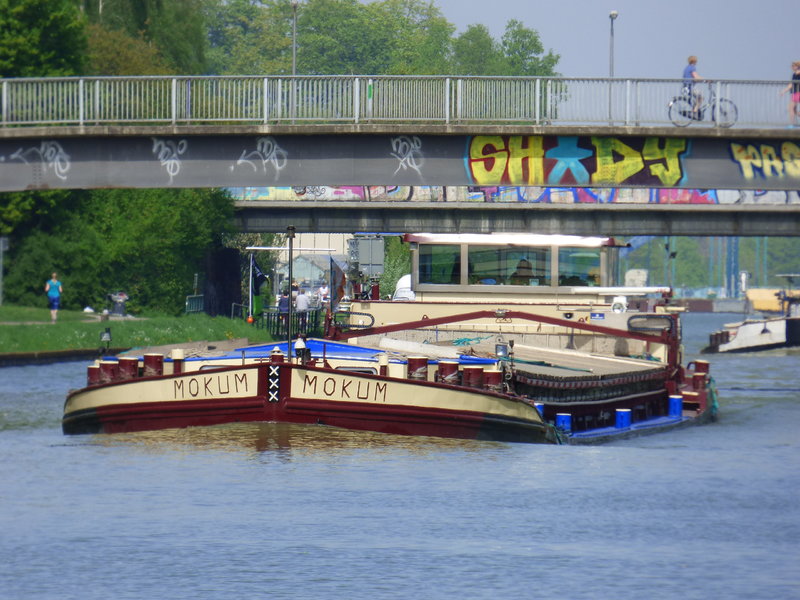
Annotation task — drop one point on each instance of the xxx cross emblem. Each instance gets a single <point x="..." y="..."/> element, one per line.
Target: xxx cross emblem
<point x="273" y="383"/>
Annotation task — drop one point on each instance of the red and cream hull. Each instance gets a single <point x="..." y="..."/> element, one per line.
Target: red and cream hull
<point x="284" y="392"/>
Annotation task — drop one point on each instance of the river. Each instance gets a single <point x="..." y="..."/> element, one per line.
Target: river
<point x="309" y="512"/>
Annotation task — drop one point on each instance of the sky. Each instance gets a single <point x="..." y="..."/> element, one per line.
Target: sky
<point x="733" y="39"/>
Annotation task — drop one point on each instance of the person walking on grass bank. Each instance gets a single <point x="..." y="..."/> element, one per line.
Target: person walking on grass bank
<point x="54" y="290"/>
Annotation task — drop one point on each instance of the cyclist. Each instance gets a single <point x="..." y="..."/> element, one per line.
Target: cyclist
<point x="690" y="75"/>
<point x="794" y="86"/>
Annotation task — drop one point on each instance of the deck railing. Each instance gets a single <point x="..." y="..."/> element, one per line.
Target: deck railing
<point x="373" y="99"/>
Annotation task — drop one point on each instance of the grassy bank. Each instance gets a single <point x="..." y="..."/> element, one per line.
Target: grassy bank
<point x="25" y="329"/>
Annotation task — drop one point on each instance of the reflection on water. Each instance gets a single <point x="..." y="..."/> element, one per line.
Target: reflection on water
<point x="285" y="440"/>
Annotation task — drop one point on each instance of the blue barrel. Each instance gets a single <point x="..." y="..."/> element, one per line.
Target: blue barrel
<point x="540" y="407"/>
<point x="676" y="406"/>
<point x="623" y="418"/>
<point x="564" y="421"/>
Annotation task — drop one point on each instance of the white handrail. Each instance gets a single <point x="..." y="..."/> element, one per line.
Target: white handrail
<point x="359" y="99"/>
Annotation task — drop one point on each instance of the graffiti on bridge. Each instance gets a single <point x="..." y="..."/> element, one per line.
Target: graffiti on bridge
<point x="766" y="161"/>
<point x="571" y="160"/>
<point x="529" y="194"/>
<point x="48" y="154"/>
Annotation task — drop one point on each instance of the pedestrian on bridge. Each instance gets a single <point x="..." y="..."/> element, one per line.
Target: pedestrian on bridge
<point x="690" y="75"/>
<point x="794" y="99"/>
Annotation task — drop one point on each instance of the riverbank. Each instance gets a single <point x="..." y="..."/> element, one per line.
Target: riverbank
<point x="15" y="359"/>
<point x="28" y="337"/>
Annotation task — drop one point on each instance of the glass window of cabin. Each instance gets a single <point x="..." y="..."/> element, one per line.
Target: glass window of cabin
<point x="439" y="264"/>
<point x="579" y="266"/>
<point x="504" y="265"/>
<point x="531" y="266"/>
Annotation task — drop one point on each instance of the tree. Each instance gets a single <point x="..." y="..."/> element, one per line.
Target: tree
<point x="386" y="37"/>
<point x="334" y="37"/>
<point x="519" y="53"/>
<point x="41" y="38"/>
<point x="396" y="263"/>
<point x="415" y="35"/>
<point x="114" y="52"/>
<point x="174" y="29"/>
<point x="476" y="53"/>
<point x="178" y="28"/>
<point x="148" y="243"/>
<point x="267" y="260"/>
<point x="391" y="37"/>
<point x="523" y="52"/>
<point x="249" y="38"/>
<point x="23" y="212"/>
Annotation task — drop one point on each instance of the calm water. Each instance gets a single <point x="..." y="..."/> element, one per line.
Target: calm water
<point x="274" y="511"/>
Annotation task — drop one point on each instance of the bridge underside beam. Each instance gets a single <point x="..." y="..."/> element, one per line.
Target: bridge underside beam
<point x="459" y="217"/>
<point x="226" y="160"/>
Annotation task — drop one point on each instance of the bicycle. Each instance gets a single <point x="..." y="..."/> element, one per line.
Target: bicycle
<point x="681" y="109"/>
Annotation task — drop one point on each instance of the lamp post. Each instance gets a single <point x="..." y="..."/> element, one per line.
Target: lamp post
<point x="612" y="16"/>
<point x="294" y="37"/>
<point x="290" y="231"/>
<point x="294" y="58"/>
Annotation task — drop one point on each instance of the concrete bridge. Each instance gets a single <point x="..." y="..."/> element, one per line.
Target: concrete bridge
<point x="450" y="133"/>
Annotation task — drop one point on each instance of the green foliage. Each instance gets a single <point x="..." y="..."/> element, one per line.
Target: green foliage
<point x="334" y="37"/>
<point x="697" y="263"/>
<point x="267" y="260"/>
<point x="20" y="212"/>
<point x="396" y="263"/>
<point x="147" y="243"/>
<point x="114" y="52"/>
<point x="476" y="53"/>
<point x="781" y="257"/>
<point x="41" y="38"/>
<point x="524" y="53"/>
<point x="410" y="36"/>
<point x="175" y="30"/>
<point x="519" y="53"/>
<point x="249" y="38"/>
<point x="387" y="37"/>
<point x="178" y="28"/>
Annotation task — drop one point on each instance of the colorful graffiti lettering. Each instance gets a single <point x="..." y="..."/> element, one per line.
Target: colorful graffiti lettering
<point x="766" y="161"/>
<point x="569" y="160"/>
<point x="684" y="196"/>
<point x="529" y="194"/>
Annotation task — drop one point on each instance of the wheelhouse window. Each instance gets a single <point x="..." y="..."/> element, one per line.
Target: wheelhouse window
<point x="439" y="264"/>
<point x="579" y="266"/>
<point x="505" y="265"/>
<point x="508" y="263"/>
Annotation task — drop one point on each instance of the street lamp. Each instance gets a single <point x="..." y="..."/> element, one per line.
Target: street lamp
<point x="612" y="16"/>
<point x="290" y="232"/>
<point x="294" y="37"/>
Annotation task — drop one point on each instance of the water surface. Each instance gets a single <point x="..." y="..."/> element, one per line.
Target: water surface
<point x="306" y="512"/>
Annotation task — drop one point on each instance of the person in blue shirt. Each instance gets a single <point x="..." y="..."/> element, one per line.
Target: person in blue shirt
<point x="690" y="75"/>
<point x="283" y="308"/>
<point x="54" y="290"/>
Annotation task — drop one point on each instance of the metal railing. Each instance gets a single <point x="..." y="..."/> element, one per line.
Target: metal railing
<point x="195" y="304"/>
<point x="310" y="322"/>
<point x="370" y="99"/>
